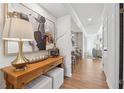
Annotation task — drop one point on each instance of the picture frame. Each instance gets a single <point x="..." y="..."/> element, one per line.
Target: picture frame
<point x="11" y="47"/>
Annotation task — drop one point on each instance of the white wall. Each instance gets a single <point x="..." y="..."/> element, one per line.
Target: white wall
<point x="6" y="60"/>
<point x="111" y="57"/>
<point x="64" y="43"/>
<point x="90" y="44"/>
<point x="92" y="29"/>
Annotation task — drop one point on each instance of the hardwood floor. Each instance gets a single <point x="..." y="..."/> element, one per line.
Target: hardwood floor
<point x="87" y="75"/>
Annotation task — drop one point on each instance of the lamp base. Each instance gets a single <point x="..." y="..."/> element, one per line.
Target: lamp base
<point x="20" y="62"/>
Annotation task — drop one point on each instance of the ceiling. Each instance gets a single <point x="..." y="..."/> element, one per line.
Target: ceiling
<point x="56" y="9"/>
<point x="85" y="11"/>
<point x="89" y="15"/>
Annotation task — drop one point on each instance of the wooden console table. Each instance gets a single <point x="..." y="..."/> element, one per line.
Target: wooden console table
<point x="19" y="79"/>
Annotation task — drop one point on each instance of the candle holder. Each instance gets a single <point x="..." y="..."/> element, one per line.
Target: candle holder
<point x="38" y="59"/>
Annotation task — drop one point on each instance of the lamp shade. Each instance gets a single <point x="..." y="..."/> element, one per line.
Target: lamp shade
<point x="16" y="29"/>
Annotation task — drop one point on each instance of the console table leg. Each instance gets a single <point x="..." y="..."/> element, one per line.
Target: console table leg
<point x="8" y="85"/>
<point x="61" y="65"/>
<point x="18" y="87"/>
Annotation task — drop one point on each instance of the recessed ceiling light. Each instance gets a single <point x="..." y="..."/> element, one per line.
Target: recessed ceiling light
<point x="89" y="19"/>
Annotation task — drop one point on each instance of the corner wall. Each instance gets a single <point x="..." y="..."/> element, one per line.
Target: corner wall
<point x="64" y="43"/>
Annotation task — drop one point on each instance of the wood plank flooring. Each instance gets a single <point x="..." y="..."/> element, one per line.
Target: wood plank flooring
<point x="88" y="74"/>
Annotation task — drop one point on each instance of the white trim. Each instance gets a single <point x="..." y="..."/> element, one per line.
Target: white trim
<point x="68" y="75"/>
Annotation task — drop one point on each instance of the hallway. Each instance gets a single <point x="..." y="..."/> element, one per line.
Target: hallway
<point x="87" y="75"/>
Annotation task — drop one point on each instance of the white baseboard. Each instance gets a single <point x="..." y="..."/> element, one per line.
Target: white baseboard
<point x="68" y="75"/>
<point x="107" y="80"/>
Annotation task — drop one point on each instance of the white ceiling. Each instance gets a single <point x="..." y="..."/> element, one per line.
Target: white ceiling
<point x="83" y="11"/>
<point x="56" y="9"/>
<point x="88" y="10"/>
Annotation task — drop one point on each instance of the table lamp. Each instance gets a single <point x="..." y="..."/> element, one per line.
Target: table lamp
<point x="19" y="30"/>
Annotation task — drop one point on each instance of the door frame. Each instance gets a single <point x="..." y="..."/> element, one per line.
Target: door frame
<point x="121" y="21"/>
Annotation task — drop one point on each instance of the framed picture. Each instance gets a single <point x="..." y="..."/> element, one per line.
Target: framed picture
<point x="44" y="30"/>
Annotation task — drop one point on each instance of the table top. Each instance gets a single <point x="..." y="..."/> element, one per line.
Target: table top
<point x="30" y="67"/>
